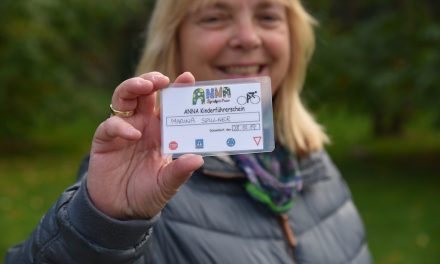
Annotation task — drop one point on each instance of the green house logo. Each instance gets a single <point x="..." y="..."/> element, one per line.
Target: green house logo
<point x="211" y="95"/>
<point x="198" y="94"/>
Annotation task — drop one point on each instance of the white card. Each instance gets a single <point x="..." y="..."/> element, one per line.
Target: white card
<point x="225" y="116"/>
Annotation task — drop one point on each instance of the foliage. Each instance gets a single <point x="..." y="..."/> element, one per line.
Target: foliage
<point x="52" y="52"/>
<point x="378" y="57"/>
<point x="383" y="60"/>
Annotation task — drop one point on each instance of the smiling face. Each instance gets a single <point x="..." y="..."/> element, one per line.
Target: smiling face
<point x="236" y="39"/>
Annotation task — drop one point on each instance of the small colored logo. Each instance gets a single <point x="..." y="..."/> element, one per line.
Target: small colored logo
<point x="211" y="95"/>
<point x="173" y="145"/>
<point x="199" y="143"/>
<point x="198" y="94"/>
<point x="251" y="97"/>
<point x="257" y="140"/>
<point x="230" y="142"/>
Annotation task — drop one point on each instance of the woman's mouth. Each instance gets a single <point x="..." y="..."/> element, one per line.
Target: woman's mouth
<point x="242" y="70"/>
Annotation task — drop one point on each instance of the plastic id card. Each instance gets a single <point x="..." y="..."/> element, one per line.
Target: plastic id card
<point x="218" y="117"/>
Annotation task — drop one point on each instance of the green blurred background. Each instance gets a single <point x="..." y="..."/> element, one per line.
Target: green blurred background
<point x="373" y="84"/>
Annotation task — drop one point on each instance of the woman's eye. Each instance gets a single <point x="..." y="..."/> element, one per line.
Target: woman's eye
<point x="215" y="20"/>
<point x="271" y="17"/>
<point x="268" y="18"/>
<point x="212" y="19"/>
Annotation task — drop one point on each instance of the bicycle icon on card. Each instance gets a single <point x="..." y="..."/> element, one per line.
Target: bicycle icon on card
<point x="251" y="97"/>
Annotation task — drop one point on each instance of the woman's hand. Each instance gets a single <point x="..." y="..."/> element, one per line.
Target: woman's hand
<point x="128" y="175"/>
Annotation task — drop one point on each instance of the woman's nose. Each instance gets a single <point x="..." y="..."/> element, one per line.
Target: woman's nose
<point x="245" y="35"/>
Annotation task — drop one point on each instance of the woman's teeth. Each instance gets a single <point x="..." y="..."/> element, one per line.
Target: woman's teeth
<point x="242" y="70"/>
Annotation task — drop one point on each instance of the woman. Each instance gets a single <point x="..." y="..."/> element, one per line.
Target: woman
<point x="132" y="205"/>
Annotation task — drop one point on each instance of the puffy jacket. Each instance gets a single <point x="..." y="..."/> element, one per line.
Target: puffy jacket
<point x="210" y="220"/>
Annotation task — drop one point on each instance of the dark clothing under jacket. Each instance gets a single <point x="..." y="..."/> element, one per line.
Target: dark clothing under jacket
<point x="211" y="220"/>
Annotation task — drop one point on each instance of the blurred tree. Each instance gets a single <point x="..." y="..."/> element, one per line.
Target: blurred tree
<point x="381" y="58"/>
<point x="378" y="57"/>
<point x="52" y="52"/>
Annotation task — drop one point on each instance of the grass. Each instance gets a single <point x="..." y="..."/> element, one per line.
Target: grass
<point x="33" y="173"/>
<point x="32" y="178"/>
<point x="394" y="183"/>
<point x="395" y="186"/>
<point x="398" y="205"/>
<point x="29" y="185"/>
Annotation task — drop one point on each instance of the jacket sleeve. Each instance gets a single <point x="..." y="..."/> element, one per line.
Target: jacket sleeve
<point x="74" y="231"/>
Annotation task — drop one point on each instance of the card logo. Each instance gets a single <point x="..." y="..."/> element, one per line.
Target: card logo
<point x="230" y="142"/>
<point x="257" y="140"/>
<point x="173" y="145"/>
<point x="199" y="143"/>
<point x="212" y="95"/>
<point x="251" y="97"/>
<point x="198" y="94"/>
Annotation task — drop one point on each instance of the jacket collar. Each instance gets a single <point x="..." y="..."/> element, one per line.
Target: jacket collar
<point x="312" y="167"/>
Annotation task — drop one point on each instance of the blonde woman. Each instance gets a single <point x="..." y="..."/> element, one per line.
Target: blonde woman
<point x="135" y="205"/>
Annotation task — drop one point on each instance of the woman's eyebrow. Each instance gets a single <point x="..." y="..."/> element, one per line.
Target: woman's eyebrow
<point x="219" y="6"/>
<point x="268" y="5"/>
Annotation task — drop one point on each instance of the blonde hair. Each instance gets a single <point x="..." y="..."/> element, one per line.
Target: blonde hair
<point x="295" y="127"/>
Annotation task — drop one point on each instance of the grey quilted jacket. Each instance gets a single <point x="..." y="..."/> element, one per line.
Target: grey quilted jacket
<point x="211" y="220"/>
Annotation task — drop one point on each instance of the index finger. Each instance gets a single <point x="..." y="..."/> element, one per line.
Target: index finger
<point x="185" y="78"/>
<point x="125" y="96"/>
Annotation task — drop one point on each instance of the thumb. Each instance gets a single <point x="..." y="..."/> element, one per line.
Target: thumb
<point x="178" y="171"/>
